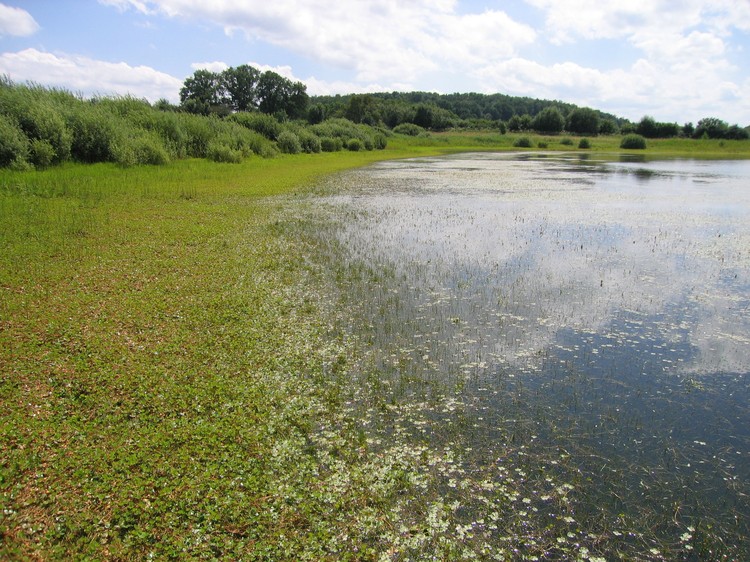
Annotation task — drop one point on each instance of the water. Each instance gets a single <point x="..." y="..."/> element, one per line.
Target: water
<point x="584" y="319"/>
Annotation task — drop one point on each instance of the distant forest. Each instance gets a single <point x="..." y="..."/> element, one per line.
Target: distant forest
<point x="246" y="88"/>
<point x="438" y="112"/>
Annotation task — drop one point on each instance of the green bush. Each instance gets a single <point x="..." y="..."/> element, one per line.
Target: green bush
<point x="309" y="141"/>
<point x="355" y="145"/>
<point x="342" y="129"/>
<point x="199" y="133"/>
<point x="14" y="146"/>
<point x="289" y="143"/>
<point x="261" y="123"/>
<point x="140" y="147"/>
<point x="542" y="144"/>
<point x="329" y="144"/>
<point x="42" y="153"/>
<point x="567" y="141"/>
<point x="409" y="129"/>
<point x="219" y="152"/>
<point x="42" y="121"/>
<point x="94" y="134"/>
<point x="584" y="143"/>
<point x="522" y="142"/>
<point x="381" y="141"/>
<point x="633" y="141"/>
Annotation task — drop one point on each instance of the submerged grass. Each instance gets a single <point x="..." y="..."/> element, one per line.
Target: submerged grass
<point x="172" y="378"/>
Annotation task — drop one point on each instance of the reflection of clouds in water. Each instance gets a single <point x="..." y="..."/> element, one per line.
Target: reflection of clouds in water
<point x="525" y="248"/>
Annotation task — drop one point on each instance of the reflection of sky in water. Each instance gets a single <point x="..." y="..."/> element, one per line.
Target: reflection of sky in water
<point x="599" y="306"/>
<point x="550" y="244"/>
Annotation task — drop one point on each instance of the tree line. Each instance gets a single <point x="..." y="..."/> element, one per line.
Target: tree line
<point x="245" y="88"/>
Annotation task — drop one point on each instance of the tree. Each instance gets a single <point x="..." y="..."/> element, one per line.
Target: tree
<point x="423" y="115"/>
<point x="362" y="109"/>
<point x="608" y="127"/>
<point x="712" y="127"/>
<point x="583" y="121"/>
<point x="519" y="123"/>
<point x="735" y="132"/>
<point x="549" y="120"/>
<point x="202" y="91"/>
<point x="279" y="96"/>
<point x="316" y="114"/>
<point x="647" y="127"/>
<point x="240" y="86"/>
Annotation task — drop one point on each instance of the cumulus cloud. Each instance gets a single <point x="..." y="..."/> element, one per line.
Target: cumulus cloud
<point x="611" y="19"/>
<point x="403" y="40"/>
<point x="16" y="22"/>
<point x="89" y="76"/>
<point x="215" y="66"/>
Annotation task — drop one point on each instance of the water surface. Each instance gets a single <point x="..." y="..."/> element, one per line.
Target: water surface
<point x="591" y="315"/>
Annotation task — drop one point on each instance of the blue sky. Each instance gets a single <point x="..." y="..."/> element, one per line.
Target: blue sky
<point x="674" y="60"/>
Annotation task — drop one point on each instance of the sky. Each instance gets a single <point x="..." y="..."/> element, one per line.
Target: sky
<point x="674" y="60"/>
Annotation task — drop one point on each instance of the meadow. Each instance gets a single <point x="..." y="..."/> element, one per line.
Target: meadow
<point x="171" y="369"/>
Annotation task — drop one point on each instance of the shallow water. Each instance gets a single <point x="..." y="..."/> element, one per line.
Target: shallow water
<point x="591" y="312"/>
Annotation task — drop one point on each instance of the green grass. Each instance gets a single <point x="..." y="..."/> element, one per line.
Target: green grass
<point x="656" y="148"/>
<point x="168" y="378"/>
<point x="161" y="340"/>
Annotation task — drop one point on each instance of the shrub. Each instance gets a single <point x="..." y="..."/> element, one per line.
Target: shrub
<point x="199" y="134"/>
<point x="584" y="143"/>
<point x="633" y="141"/>
<point x="94" y="134"/>
<point x="43" y="121"/>
<point x="219" y="152"/>
<point x="140" y="147"/>
<point x="329" y="144"/>
<point x="409" y="129"/>
<point x="381" y="141"/>
<point x="310" y="142"/>
<point x="42" y="153"/>
<point x="567" y="141"/>
<point x="261" y="123"/>
<point x="541" y="144"/>
<point x="354" y="145"/>
<point x="522" y="142"/>
<point x="289" y="143"/>
<point x="14" y="146"/>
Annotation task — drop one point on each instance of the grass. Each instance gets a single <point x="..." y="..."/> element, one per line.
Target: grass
<point x="160" y="342"/>
<point x="656" y="148"/>
<point x="170" y="381"/>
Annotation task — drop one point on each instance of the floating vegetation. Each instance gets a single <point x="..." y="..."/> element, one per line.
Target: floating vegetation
<point x="548" y="357"/>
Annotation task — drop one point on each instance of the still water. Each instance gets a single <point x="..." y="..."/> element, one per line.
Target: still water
<point x="586" y="320"/>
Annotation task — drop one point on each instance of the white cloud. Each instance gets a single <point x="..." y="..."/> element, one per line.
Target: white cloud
<point x="215" y="66"/>
<point x="612" y="19"/>
<point x="379" y="41"/>
<point x="678" y="93"/>
<point x="16" y="22"/>
<point x="89" y="76"/>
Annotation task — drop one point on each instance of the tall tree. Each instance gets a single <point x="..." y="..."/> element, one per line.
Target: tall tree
<point x="583" y="121"/>
<point x="278" y="95"/>
<point x="549" y="120"/>
<point x="203" y="91"/>
<point x="240" y="84"/>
